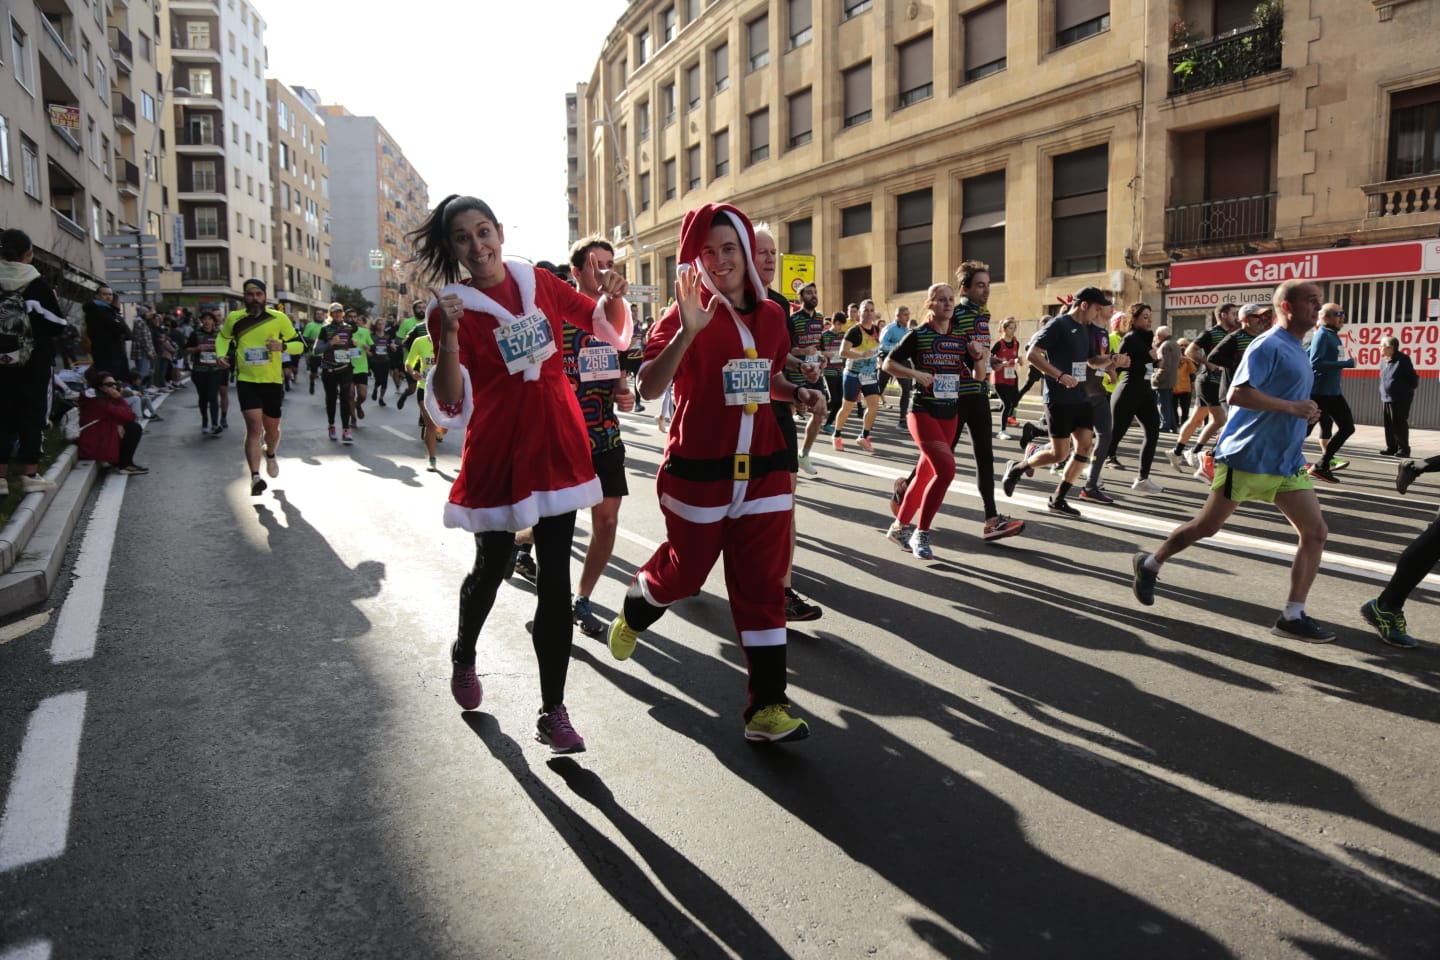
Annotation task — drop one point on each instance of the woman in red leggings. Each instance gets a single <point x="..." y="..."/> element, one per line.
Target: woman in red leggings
<point x="932" y="355"/>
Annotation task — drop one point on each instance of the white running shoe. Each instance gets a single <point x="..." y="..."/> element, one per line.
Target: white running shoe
<point x="1147" y="485"/>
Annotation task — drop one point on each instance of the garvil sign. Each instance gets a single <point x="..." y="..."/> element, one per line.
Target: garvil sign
<point x="1344" y="263"/>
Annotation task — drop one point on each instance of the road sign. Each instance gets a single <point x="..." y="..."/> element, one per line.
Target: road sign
<point x="796" y="270"/>
<point x="643" y="293"/>
<point x="127" y="239"/>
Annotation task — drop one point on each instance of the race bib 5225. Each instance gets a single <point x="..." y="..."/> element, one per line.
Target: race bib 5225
<point x="527" y="342"/>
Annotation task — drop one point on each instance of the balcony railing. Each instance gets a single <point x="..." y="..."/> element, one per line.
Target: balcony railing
<point x="123" y="108"/>
<point x="1220" y="221"/>
<point x="120" y="43"/>
<point x="1400" y="197"/>
<point x="1236" y="57"/>
<point x="129" y="173"/>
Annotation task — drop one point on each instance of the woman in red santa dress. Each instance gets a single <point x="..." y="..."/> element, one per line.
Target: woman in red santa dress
<point x="724" y="488"/>
<point x="526" y="460"/>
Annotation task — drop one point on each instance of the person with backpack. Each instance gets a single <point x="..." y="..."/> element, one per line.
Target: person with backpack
<point x="30" y="321"/>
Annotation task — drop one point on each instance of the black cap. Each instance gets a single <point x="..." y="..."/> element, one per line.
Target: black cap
<point x="1093" y="295"/>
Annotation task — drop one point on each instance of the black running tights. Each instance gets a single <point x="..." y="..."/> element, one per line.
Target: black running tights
<point x="1135" y="401"/>
<point x="1414" y="564"/>
<point x="552" y="631"/>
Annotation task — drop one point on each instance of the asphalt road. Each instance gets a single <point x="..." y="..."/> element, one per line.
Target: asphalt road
<point x="1008" y="757"/>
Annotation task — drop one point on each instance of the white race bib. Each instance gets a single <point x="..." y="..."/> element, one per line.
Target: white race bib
<point x="341" y="355"/>
<point x="528" y="342"/>
<point x="814" y="359"/>
<point x="946" y="386"/>
<point x="746" y="381"/>
<point x="255" y="356"/>
<point x="207" y="356"/>
<point x="380" y="351"/>
<point x="1077" y="369"/>
<point x="598" y="363"/>
<point x="1149" y="370"/>
<point x="867" y="375"/>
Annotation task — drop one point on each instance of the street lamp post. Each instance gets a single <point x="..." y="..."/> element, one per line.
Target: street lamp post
<point x="622" y="176"/>
<point x="152" y="156"/>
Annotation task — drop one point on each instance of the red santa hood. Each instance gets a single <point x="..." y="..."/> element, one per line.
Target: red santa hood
<point x="696" y="228"/>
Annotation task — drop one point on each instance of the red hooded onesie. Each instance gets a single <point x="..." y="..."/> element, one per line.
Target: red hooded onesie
<point x="724" y="486"/>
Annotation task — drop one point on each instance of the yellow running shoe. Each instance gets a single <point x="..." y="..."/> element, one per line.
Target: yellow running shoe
<point x="773" y="724"/>
<point x="622" y="638"/>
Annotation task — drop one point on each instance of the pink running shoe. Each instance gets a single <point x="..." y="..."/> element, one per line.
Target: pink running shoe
<point x="465" y="685"/>
<point x="866" y="445"/>
<point x="553" y="729"/>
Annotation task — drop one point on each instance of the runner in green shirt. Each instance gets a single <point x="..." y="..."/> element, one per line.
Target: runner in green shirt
<point x="418" y="363"/>
<point x="360" y="363"/>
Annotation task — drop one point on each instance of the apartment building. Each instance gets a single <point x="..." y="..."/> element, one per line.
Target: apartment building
<point x="77" y="109"/>
<point x="377" y="197"/>
<point x="300" y="192"/>
<point x="1301" y="141"/>
<point x="889" y="140"/>
<point x="219" y="159"/>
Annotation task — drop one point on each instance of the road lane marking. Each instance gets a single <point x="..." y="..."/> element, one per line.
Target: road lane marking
<point x="20" y="628"/>
<point x="79" y="620"/>
<point x="34" y="950"/>
<point x="37" y="811"/>
<point x="400" y="433"/>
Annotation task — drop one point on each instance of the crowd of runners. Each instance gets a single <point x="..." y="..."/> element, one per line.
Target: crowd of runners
<point x="548" y="358"/>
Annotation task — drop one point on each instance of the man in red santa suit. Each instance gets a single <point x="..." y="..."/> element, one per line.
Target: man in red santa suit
<point x="724" y="488"/>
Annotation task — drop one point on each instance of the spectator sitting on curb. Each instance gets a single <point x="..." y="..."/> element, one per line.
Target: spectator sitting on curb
<point x="108" y="431"/>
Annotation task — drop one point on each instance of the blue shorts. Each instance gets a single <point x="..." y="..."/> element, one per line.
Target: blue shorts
<point x="854" y="389"/>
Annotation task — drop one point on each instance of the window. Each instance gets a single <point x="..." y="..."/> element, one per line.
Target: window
<point x="622" y="70"/>
<point x="232" y="42"/>
<point x="692" y="168"/>
<point x="234" y="89"/>
<point x="853" y="8"/>
<point x="759" y="123"/>
<point x="92" y="140"/>
<point x="1077" y="216"/>
<point x="5" y="149"/>
<point x="798" y="107"/>
<point x="207" y="267"/>
<point x="30" y="166"/>
<point x="667" y="102"/>
<point x="692" y="86"/>
<point x="642" y="47"/>
<point x="982" y="224"/>
<point x="670" y="179"/>
<point x="202" y="176"/>
<point x="692" y="12"/>
<point x="912" y="240"/>
<point x="102" y="81"/>
<point x="857" y="94"/>
<point x="245" y="56"/>
<point x="240" y="227"/>
<point x="759" y="31"/>
<point x="97" y="220"/>
<point x="147" y="106"/>
<point x="801" y="29"/>
<point x="855" y="220"/>
<point x="720" y="66"/>
<point x="197" y="33"/>
<point x="801" y="238"/>
<point x="667" y="25"/>
<point x="207" y="223"/>
<point x="200" y="83"/>
<point x="642" y="121"/>
<point x="1414" y="133"/>
<point x="246" y="98"/>
<point x="202" y="130"/>
<point x="1078" y="19"/>
<point x="250" y="186"/>
<point x="720" y="150"/>
<point x="85" y="56"/>
<point x="252" y="229"/>
<point x="917" y="70"/>
<point x="142" y="44"/>
<point x="20" y="55"/>
<point x="984" y="41"/>
<point x="105" y="154"/>
<point x="234" y="132"/>
<point x="248" y="143"/>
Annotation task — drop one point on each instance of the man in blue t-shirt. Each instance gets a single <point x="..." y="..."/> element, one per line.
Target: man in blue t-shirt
<point x="1064" y="351"/>
<point x="1259" y="457"/>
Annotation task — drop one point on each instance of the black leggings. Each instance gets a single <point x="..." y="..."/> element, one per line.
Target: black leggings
<point x="552" y="631"/>
<point x="1009" y="394"/>
<point x="973" y="411"/>
<point x="337" y="387"/>
<point x="1033" y="378"/>
<point x="1182" y="410"/>
<point x="380" y="373"/>
<point x="1134" y="399"/>
<point x="1335" y="407"/>
<point x="207" y="385"/>
<point x="1415" y="562"/>
<point x="129" y="443"/>
<point x="836" y="391"/>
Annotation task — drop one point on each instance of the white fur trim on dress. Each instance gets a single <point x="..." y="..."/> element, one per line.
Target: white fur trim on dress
<point x="526" y="513"/>
<point x="477" y="302"/>
<point x="450" y="421"/>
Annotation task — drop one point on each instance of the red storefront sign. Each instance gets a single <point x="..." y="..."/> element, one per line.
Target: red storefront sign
<point x="1344" y="263"/>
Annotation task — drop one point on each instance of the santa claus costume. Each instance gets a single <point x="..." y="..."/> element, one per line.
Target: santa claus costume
<point x="724" y="489"/>
<point x="525" y="461"/>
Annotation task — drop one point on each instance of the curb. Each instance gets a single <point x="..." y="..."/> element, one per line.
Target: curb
<point x="33" y="543"/>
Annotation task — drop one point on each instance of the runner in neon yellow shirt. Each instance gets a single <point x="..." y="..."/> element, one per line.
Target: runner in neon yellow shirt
<point x="261" y="336"/>
<point x="311" y="333"/>
<point x="360" y="365"/>
<point x="418" y="363"/>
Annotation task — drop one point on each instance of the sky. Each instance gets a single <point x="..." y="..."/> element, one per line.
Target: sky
<point x="474" y="92"/>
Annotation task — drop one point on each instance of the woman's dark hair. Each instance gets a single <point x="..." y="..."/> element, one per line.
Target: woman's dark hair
<point x="95" y="377"/>
<point x="14" y="243"/>
<point x="431" y="241"/>
<point x="1136" y="309"/>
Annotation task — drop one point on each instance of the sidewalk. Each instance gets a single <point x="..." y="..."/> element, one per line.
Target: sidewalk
<point x="34" y="541"/>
